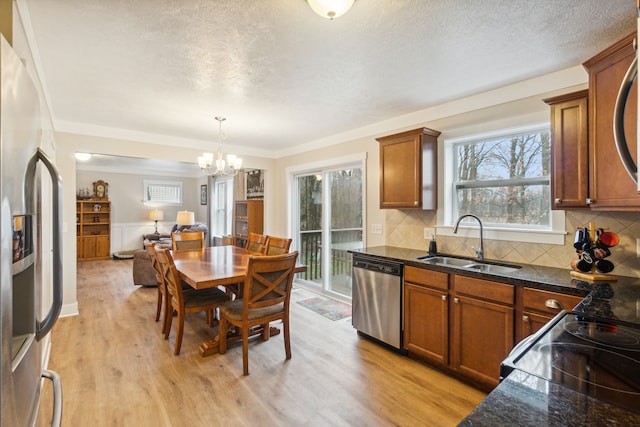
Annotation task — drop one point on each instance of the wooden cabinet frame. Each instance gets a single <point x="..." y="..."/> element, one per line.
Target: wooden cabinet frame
<point x="408" y="170"/>
<point x="93" y="230"/>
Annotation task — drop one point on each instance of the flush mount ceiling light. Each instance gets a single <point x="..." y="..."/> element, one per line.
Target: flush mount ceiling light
<point x="330" y="8"/>
<point x="230" y="167"/>
<point x="83" y="156"/>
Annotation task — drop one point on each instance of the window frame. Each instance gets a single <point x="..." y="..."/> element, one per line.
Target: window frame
<point x="552" y="234"/>
<point x="163" y="183"/>
<point x="222" y="205"/>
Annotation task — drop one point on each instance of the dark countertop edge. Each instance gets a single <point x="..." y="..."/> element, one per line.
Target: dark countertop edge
<point x="539" y="277"/>
<point x="602" y="299"/>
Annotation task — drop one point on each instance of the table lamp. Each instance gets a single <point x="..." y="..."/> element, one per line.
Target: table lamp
<point x="184" y="218"/>
<point x="156" y="215"/>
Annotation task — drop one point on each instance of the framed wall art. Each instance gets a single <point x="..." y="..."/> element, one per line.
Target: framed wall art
<point x="255" y="184"/>
<point x="203" y="194"/>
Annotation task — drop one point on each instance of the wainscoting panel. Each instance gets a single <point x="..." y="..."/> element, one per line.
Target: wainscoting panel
<point x="128" y="236"/>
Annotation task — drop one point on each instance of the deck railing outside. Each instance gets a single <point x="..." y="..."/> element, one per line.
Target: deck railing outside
<point x="342" y="240"/>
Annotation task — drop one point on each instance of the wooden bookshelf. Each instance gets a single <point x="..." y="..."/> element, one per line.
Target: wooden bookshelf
<point x="93" y="229"/>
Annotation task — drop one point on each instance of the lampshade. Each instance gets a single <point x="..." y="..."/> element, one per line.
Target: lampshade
<point x="330" y="8"/>
<point x="185" y="218"/>
<point x="156" y="215"/>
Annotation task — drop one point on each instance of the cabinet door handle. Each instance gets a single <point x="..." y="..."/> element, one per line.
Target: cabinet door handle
<point x="525" y="319"/>
<point x="444" y="297"/>
<point x="553" y="303"/>
<point x="558" y="201"/>
<point x="456" y="300"/>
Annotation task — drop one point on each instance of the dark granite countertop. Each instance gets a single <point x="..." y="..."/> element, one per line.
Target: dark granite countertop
<point x="523" y="399"/>
<point x="619" y="299"/>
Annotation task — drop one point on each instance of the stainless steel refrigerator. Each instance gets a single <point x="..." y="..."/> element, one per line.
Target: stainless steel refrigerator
<point x="24" y="171"/>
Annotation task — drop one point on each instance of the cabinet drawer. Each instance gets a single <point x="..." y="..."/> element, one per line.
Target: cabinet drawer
<point x="421" y="276"/>
<point x="548" y="302"/>
<point x="485" y="289"/>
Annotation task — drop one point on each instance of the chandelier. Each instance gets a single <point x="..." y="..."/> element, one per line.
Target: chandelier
<point x="230" y="167"/>
<point x="330" y="8"/>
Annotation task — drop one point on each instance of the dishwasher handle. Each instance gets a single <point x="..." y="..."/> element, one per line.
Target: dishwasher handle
<point x="379" y="267"/>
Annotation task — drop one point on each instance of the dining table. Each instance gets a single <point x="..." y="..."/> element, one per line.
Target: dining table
<point x="217" y="266"/>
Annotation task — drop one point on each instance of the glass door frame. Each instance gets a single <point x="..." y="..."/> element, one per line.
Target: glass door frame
<point x="293" y="213"/>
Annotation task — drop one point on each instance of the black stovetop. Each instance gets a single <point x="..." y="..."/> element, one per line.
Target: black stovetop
<point x="599" y="358"/>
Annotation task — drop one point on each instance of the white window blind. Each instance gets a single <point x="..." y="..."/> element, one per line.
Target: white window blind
<point x="166" y="192"/>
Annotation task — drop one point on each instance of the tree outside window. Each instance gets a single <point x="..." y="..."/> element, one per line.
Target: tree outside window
<point x="505" y="179"/>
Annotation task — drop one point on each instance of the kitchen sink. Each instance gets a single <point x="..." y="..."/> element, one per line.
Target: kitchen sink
<point x="471" y="264"/>
<point x="493" y="268"/>
<point x="447" y="260"/>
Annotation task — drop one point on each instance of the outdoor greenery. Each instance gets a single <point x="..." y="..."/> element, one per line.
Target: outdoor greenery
<point x="346" y="219"/>
<point x="505" y="180"/>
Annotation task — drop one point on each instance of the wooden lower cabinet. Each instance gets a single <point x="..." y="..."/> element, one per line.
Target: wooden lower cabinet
<point x="481" y="338"/>
<point x="426" y="332"/>
<point x="482" y="331"/>
<point x="467" y="325"/>
<point x="539" y="307"/>
<point x="463" y="324"/>
<point x="95" y="247"/>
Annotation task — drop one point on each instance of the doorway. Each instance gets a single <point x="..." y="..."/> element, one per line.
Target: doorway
<point x="328" y="213"/>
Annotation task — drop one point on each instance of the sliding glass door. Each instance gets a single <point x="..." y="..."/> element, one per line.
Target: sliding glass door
<point x="330" y="217"/>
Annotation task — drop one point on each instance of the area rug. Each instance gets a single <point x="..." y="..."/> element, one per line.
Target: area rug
<point x="329" y="308"/>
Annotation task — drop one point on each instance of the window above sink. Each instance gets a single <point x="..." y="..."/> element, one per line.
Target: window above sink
<point x="480" y="178"/>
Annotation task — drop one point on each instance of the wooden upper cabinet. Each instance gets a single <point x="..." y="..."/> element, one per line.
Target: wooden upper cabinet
<point x="611" y="188"/>
<point x="408" y="170"/>
<point x="569" y="150"/>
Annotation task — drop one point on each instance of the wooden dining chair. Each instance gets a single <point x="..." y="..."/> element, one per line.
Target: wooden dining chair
<point x="265" y="298"/>
<point x="188" y="240"/>
<point x="257" y="243"/>
<point x="228" y="240"/>
<point x="163" y="301"/>
<point x="162" y="289"/>
<point x="185" y="301"/>
<point x="277" y="245"/>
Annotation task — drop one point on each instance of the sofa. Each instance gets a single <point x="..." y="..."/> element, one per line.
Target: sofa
<point x="143" y="274"/>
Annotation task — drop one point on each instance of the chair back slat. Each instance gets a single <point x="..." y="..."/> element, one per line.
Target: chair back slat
<point x="257" y="243"/>
<point x="269" y="280"/>
<point x="187" y="240"/>
<point x="228" y="240"/>
<point x="170" y="274"/>
<point x="154" y="263"/>
<point x="277" y="245"/>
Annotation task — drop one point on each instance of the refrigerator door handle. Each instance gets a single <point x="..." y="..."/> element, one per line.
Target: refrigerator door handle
<point x="43" y="328"/>
<point x="56" y="418"/>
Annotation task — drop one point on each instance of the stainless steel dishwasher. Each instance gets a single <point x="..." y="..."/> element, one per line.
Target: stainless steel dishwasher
<point x="377" y="299"/>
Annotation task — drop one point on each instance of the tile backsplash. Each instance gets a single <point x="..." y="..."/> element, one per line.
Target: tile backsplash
<point x="405" y="229"/>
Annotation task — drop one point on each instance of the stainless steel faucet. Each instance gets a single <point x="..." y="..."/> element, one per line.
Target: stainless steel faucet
<point x="480" y="251"/>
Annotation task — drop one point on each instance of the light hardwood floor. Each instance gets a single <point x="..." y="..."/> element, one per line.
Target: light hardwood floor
<point x="117" y="370"/>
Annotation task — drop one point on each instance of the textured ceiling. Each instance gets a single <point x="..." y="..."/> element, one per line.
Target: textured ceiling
<point x="284" y="76"/>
